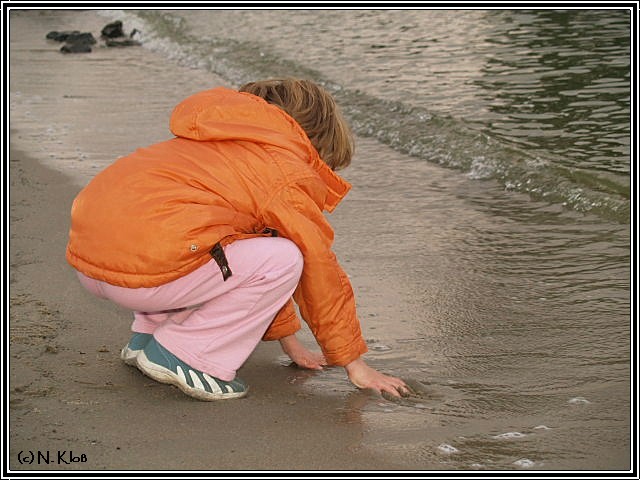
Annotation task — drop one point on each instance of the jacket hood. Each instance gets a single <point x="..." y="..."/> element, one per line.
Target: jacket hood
<point x="222" y="114"/>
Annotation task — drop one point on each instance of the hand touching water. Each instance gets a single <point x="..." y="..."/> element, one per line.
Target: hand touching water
<point x="360" y="374"/>
<point x="364" y="376"/>
<point x="301" y="355"/>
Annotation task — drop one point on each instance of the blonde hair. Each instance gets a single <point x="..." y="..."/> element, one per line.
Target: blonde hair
<point x="316" y="112"/>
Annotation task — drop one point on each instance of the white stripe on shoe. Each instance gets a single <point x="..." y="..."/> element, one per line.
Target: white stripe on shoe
<point x="215" y="388"/>
<point x="181" y="375"/>
<point x="196" y="380"/>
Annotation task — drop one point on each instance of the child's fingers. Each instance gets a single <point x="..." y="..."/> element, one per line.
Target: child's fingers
<point x="309" y="363"/>
<point x="396" y="388"/>
<point x="318" y="363"/>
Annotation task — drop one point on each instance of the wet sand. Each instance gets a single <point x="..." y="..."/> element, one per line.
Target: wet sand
<point x="69" y="391"/>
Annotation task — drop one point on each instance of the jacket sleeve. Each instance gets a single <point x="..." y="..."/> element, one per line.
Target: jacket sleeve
<point x="324" y="295"/>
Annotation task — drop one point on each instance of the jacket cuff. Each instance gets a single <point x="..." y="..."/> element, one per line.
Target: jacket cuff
<point x="348" y="354"/>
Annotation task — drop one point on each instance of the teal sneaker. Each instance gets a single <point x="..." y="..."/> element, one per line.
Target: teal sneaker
<point x="157" y="362"/>
<point x="136" y="344"/>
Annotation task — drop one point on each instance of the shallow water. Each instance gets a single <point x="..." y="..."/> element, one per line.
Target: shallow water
<point x="493" y="264"/>
<point x="514" y="313"/>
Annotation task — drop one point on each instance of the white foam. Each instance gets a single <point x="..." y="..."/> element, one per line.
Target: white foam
<point x="481" y="168"/>
<point x="510" y="435"/>
<point x="578" y="400"/>
<point x="524" y="463"/>
<point x="447" y="449"/>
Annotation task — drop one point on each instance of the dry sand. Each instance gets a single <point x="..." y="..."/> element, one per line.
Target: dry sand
<point x="69" y="391"/>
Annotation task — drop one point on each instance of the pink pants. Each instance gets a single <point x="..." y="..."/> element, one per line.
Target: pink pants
<point x="211" y="324"/>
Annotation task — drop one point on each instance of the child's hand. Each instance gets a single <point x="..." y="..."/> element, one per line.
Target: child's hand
<point x="300" y="355"/>
<point x="364" y="376"/>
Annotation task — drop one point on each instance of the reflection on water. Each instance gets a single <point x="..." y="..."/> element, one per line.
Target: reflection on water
<point x="559" y="81"/>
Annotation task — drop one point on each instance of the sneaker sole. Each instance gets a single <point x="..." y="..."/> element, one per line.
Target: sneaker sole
<point x="164" y="375"/>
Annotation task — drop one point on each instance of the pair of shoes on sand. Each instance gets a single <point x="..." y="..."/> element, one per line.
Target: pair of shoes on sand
<point x="155" y="361"/>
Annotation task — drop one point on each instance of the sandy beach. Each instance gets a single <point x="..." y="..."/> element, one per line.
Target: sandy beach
<point x="69" y="391"/>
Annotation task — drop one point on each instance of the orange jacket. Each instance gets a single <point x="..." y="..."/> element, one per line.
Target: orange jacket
<point x="238" y="165"/>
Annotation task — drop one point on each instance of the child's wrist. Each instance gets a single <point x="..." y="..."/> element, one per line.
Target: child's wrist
<point x="354" y="364"/>
<point x="289" y="343"/>
<point x="288" y="339"/>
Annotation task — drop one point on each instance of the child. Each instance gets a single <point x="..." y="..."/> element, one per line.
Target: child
<point x="208" y="236"/>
